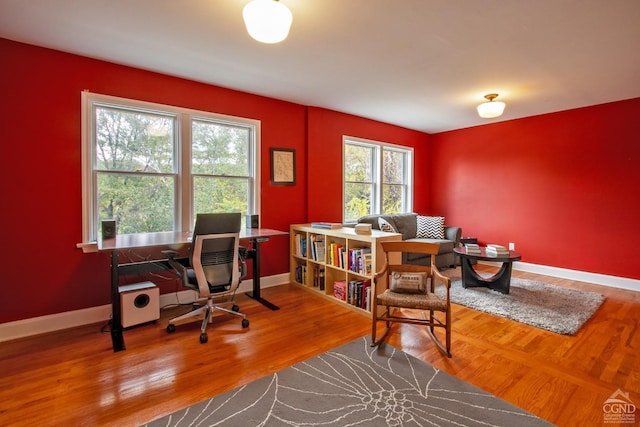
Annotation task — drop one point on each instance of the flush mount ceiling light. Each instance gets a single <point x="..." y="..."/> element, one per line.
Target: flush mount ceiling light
<point x="267" y="21"/>
<point x="491" y="109"/>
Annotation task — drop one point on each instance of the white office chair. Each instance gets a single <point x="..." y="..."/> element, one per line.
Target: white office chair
<point x="215" y="268"/>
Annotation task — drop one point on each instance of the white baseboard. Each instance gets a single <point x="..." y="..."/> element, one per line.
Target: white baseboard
<point x="70" y="319"/>
<point x="580" y="276"/>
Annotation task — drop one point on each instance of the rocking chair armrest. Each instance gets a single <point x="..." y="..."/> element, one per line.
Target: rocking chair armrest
<point x="446" y="281"/>
<point x="437" y="275"/>
<point x="381" y="272"/>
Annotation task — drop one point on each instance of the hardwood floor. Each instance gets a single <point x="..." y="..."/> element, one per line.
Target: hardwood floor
<point x="73" y="377"/>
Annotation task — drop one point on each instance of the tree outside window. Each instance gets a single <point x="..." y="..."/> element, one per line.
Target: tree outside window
<point x="135" y="169"/>
<point x="377" y="178"/>
<point x="220" y="162"/>
<point x="153" y="167"/>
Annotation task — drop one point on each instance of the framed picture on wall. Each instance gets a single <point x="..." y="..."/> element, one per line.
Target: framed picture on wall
<point x="283" y="166"/>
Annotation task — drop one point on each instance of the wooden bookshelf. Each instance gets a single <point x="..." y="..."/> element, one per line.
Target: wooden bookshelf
<point x="321" y="259"/>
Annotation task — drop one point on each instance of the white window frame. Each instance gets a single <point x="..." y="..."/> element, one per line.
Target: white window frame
<point x="377" y="172"/>
<point x="183" y="207"/>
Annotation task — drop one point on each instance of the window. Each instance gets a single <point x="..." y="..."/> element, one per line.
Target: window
<point x="152" y="167"/>
<point x="377" y="178"/>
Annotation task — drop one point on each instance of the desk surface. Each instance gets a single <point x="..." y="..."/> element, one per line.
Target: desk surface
<point x="171" y="238"/>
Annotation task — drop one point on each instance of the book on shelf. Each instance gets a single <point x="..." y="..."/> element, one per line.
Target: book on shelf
<point x="358" y="292"/>
<point x="367" y="263"/>
<point x="366" y="288"/>
<point x="318" y="278"/>
<point x="312" y="254"/>
<point x="301" y="245"/>
<point x="340" y="290"/>
<point x="301" y="274"/>
<point x="317" y="247"/>
<point x="326" y="225"/>
<point x="354" y="288"/>
<point x="336" y="255"/>
<point x="320" y="253"/>
<point x="360" y="260"/>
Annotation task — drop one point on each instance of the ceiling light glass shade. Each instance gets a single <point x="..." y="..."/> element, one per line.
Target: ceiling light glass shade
<point x="491" y="109"/>
<point x="267" y="21"/>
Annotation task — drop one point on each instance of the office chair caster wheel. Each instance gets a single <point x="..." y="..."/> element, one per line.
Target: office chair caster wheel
<point x="171" y="328"/>
<point x="245" y="323"/>
<point x="235" y="308"/>
<point x="203" y="338"/>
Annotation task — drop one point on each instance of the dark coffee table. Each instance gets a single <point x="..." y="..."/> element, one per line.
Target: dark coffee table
<point x="501" y="281"/>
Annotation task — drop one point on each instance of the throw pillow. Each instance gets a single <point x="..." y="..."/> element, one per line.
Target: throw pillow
<point x="408" y="283"/>
<point x="430" y="227"/>
<point x="386" y="226"/>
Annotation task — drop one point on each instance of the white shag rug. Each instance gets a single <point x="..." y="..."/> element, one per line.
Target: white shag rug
<point x="538" y="304"/>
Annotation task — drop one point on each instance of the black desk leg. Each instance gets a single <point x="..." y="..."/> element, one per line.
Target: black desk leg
<point x="117" y="337"/>
<point x="255" y="294"/>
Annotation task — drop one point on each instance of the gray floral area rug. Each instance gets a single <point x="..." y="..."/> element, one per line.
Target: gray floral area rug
<point x="538" y="304"/>
<point x="355" y="385"/>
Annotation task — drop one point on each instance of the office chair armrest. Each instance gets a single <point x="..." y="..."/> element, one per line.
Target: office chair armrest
<point x="170" y="254"/>
<point x="242" y="255"/>
<point x="176" y="263"/>
<point x="171" y="257"/>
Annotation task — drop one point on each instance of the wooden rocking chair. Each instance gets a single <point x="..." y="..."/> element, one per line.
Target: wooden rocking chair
<point x="401" y="294"/>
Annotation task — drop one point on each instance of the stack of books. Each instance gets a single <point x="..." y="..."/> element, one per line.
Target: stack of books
<point x="360" y="260"/>
<point x="357" y="293"/>
<point x="316" y="247"/>
<point x="363" y="228"/>
<point x="497" y="251"/>
<point x="472" y="248"/>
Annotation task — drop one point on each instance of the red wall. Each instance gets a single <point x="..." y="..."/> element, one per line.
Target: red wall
<point x="325" y="131"/>
<point x="562" y="186"/>
<point x="40" y="169"/>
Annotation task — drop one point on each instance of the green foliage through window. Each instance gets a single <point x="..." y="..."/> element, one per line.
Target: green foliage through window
<point x="138" y="175"/>
<point x="377" y="179"/>
<point x="134" y="155"/>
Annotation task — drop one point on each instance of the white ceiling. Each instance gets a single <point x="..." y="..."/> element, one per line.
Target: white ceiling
<point x="421" y="64"/>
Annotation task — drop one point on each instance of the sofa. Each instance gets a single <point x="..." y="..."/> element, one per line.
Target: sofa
<point x="407" y="225"/>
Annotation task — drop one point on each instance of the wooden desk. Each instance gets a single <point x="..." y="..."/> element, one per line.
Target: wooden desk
<point x="171" y="240"/>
